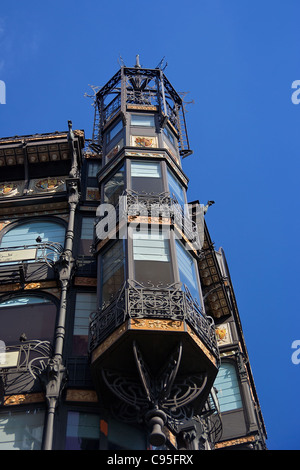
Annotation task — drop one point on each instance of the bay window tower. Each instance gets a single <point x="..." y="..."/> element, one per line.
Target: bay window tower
<point x="153" y="349"/>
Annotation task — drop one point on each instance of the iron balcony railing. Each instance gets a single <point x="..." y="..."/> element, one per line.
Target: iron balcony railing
<point x="167" y="303"/>
<point x="21" y="366"/>
<point x="156" y="206"/>
<point x="47" y="252"/>
<point x="15" y="261"/>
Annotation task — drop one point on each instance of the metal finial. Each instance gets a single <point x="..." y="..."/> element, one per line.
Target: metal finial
<point x="137" y="61"/>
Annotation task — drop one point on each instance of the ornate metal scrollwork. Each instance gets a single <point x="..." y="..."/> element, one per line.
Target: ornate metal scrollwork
<point x="33" y="357"/>
<point x="138" y="301"/>
<point x="151" y="397"/>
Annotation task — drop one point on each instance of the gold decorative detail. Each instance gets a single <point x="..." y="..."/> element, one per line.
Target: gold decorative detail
<point x="82" y="396"/>
<point x="49" y="184"/>
<point x="85" y="281"/>
<point x="92" y="194"/>
<point x="142" y="107"/>
<point x="235" y="442"/>
<point x="223" y="334"/>
<point x="24" y="399"/>
<point x="8" y="189"/>
<point x="31" y="285"/>
<point x="143" y="141"/>
<point x="151" y="324"/>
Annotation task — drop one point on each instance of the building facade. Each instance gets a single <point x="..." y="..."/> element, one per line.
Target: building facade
<point x="119" y="324"/>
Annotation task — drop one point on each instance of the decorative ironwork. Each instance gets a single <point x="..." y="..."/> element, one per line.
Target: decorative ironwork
<point x="47" y="252"/>
<point x="33" y="357"/>
<point x="141" y="87"/>
<point x="210" y="418"/>
<point x="153" y="205"/>
<point x="155" y="398"/>
<point x="137" y="301"/>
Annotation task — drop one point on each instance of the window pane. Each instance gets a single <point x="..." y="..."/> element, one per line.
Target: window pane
<point x="114" y="188"/>
<point x="35" y="316"/>
<point x="152" y="261"/>
<point x="114" y="131"/>
<point x="145" y="170"/>
<point x="83" y="431"/>
<point x="112" y="264"/>
<point x="170" y="135"/>
<point x="87" y="234"/>
<point x="142" y="120"/>
<point x="147" y="246"/>
<point x="26" y="234"/>
<point x="187" y="271"/>
<point x="175" y="188"/>
<point x="227" y="386"/>
<point x="146" y="177"/>
<point x="21" y="430"/>
<point x="93" y="168"/>
<point x="86" y="303"/>
<point x="87" y="228"/>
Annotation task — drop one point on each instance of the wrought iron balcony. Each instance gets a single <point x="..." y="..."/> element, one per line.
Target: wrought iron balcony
<point x="23" y="263"/>
<point x="154" y="207"/>
<point x="162" y="303"/>
<point x="21" y="366"/>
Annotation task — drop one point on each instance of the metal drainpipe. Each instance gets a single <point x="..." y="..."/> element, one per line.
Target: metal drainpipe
<point x="56" y="371"/>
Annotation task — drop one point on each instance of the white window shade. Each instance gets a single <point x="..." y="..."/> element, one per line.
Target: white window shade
<point x="226" y="383"/>
<point x="145" y="170"/>
<point x="150" y="247"/>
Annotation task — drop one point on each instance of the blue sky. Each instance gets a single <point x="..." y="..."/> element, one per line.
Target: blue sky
<point x="237" y="61"/>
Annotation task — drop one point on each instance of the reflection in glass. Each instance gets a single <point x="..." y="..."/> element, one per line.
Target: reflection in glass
<point x="112" y="271"/>
<point x="21" y="430"/>
<point x="83" y="431"/>
<point x="187" y="271"/>
<point x="35" y="316"/>
<point x="114" y="188"/>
